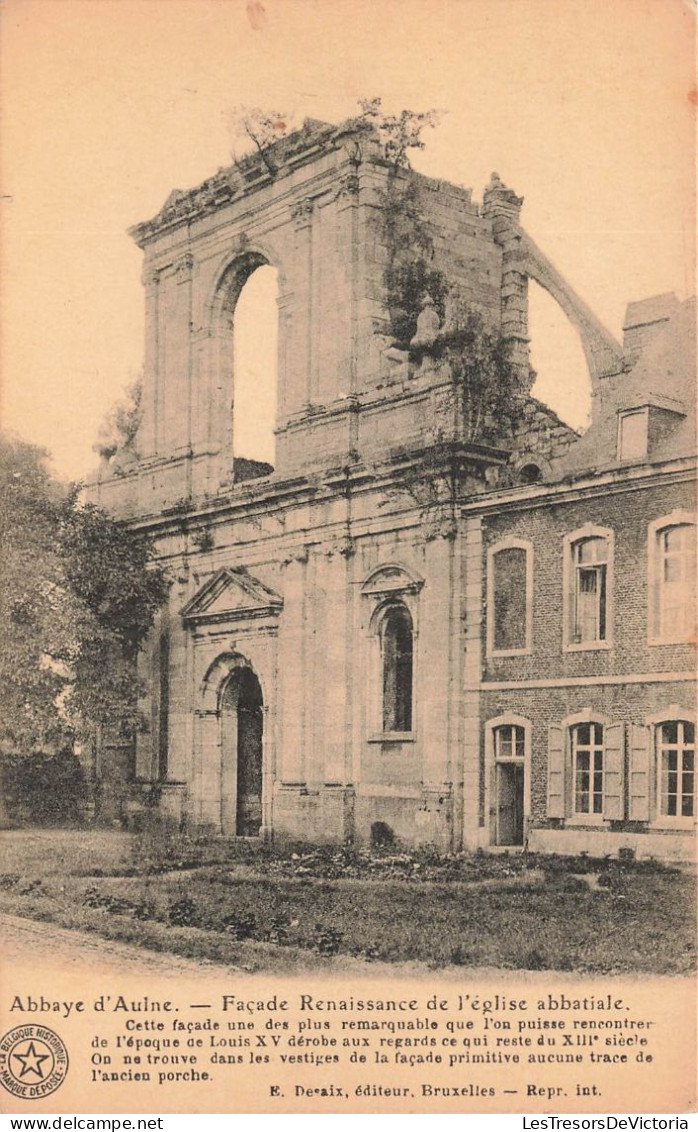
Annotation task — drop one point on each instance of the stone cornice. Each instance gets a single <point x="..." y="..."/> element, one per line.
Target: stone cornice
<point x="239" y="180"/>
<point x="584" y="486"/>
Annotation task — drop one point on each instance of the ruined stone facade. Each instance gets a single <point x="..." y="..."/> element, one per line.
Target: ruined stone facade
<point x="327" y="667"/>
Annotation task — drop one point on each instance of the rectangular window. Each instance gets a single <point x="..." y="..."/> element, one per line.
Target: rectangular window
<point x="587" y="761"/>
<point x="676" y="759"/>
<point x="510" y="599"/>
<point x="632" y="435"/>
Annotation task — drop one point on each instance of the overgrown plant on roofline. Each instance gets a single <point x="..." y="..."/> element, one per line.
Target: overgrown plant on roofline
<point x="479" y="357"/>
<point x="410" y="272"/>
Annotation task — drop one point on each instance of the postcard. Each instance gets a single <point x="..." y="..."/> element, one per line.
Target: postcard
<point x="347" y="627"/>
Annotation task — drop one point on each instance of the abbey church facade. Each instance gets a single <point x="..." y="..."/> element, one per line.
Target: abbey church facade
<point x="433" y="619"/>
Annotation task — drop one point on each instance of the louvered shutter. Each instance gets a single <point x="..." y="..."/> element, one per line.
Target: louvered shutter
<point x="556" y="771"/>
<point x="613" y="807"/>
<point x="639" y="781"/>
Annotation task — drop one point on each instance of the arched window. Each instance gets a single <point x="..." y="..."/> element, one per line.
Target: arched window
<point x="397" y="664"/>
<point x="510" y="598"/>
<point x="588" y="588"/>
<point x="530" y="473"/>
<point x="255" y="349"/>
<point x="672" y="579"/>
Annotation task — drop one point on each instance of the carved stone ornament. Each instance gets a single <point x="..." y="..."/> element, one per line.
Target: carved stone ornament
<point x="348" y="186"/>
<point x="151" y="276"/>
<point x="302" y="211"/>
<point x="184" y="266"/>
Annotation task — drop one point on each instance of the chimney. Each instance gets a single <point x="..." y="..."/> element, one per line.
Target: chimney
<point x="642" y="321"/>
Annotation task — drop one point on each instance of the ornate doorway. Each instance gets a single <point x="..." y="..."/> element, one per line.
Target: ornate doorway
<point x="241" y="711"/>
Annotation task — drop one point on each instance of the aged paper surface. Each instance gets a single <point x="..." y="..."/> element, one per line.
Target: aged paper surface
<point x="587" y="111"/>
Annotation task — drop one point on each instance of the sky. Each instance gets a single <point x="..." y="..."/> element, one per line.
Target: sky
<point x="584" y="107"/>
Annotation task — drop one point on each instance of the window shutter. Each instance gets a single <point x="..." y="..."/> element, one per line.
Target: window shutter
<point x="556" y="771"/>
<point x="639" y="783"/>
<point x="613" y="807"/>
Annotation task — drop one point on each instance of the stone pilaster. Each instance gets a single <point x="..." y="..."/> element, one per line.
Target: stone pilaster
<point x="473" y="834"/>
<point x="148" y="431"/>
<point x="292" y="672"/>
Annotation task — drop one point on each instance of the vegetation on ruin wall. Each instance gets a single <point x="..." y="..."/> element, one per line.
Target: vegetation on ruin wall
<point x="119" y="428"/>
<point x="78" y="594"/>
<point x="479" y="358"/>
<point x="280" y="909"/>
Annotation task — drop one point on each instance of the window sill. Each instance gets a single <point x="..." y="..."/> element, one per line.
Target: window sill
<point x="585" y="820"/>
<point x="495" y="654"/>
<point x="669" y="823"/>
<point x="653" y="642"/>
<point x="588" y="646"/>
<point x="392" y="737"/>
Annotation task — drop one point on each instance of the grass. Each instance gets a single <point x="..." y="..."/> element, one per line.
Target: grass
<point x="265" y="909"/>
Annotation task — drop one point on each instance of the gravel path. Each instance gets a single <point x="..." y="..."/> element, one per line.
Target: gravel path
<point x="27" y="942"/>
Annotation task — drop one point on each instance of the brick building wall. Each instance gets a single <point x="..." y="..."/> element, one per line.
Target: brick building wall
<point x="625" y="681"/>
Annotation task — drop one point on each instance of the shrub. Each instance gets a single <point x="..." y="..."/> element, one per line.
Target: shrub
<point x="182" y="913"/>
<point x="42" y="788"/>
<point x="327" y="941"/>
<point x="241" y="925"/>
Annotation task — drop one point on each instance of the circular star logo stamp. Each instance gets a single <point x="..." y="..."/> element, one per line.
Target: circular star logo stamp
<point x="33" y="1062"/>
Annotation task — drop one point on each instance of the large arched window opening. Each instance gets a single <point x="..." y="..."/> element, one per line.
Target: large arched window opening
<point x="562" y="376"/>
<point x="397" y="664"/>
<point x="255" y="372"/>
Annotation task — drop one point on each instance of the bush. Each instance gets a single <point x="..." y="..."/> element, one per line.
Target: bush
<point x="183" y="913"/>
<point x="240" y="925"/>
<point x="327" y="940"/>
<point x="42" y="788"/>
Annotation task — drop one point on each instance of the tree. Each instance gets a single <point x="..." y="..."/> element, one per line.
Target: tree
<point x="119" y="428"/>
<point x="262" y="128"/>
<point x="397" y="133"/>
<point x="78" y="595"/>
<point x="34" y="633"/>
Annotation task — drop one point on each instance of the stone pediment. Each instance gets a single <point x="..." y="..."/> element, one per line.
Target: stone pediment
<point x="232" y="595"/>
<point x="391" y="578"/>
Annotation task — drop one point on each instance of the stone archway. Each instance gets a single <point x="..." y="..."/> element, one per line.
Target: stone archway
<point x="241" y="712"/>
<point x="228" y="423"/>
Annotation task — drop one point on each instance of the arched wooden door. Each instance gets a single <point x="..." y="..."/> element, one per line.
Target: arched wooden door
<point x="241" y="754"/>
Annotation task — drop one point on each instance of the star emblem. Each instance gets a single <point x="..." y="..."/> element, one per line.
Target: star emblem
<point x="31" y="1061"/>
